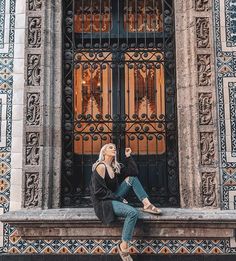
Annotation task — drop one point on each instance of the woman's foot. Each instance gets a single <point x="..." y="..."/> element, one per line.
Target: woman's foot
<point x="124" y="254"/>
<point x="152" y="209"/>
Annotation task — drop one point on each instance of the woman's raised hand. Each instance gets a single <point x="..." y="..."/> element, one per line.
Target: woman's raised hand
<point x="128" y="152"/>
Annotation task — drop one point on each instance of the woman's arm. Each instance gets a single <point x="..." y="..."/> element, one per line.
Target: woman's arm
<point x="130" y="168"/>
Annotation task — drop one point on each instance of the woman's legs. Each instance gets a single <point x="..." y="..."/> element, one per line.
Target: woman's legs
<point x="132" y="182"/>
<point x="142" y="195"/>
<point x="121" y="209"/>
<point x="130" y="214"/>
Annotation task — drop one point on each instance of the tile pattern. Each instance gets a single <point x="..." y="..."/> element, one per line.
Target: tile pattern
<point x="7" y="25"/>
<point x="2" y="22"/>
<point x="17" y="245"/>
<point x="230" y="7"/>
<point x="226" y="63"/>
<point x="225" y="26"/>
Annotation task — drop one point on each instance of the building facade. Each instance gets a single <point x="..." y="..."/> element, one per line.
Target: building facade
<point x="158" y="76"/>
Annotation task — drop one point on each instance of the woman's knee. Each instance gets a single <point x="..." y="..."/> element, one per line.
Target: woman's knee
<point x="133" y="213"/>
<point x="130" y="179"/>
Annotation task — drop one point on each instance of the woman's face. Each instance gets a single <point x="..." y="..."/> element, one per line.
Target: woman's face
<point x="110" y="150"/>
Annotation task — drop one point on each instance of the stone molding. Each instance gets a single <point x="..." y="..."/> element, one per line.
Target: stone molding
<point x="32" y="180"/>
<point x="83" y="224"/>
<point x="42" y="111"/>
<point x="196" y="103"/>
<point x="207" y="105"/>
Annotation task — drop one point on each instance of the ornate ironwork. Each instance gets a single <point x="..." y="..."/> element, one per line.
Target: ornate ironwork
<point x="119" y="86"/>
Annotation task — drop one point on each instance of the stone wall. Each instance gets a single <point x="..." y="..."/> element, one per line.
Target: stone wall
<point x="30" y="102"/>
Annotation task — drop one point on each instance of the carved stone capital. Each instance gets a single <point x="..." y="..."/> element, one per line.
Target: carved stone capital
<point x="208" y="189"/>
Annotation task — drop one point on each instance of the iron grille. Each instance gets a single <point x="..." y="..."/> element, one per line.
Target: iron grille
<point x="119" y="86"/>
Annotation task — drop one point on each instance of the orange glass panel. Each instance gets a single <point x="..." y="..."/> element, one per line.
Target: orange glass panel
<point x="143" y="16"/>
<point x="92" y="17"/>
<point x="145" y="95"/>
<point x="92" y="96"/>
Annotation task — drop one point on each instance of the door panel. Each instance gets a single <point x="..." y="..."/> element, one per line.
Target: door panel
<point x="145" y="102"/>
<point x="93" y="90"/>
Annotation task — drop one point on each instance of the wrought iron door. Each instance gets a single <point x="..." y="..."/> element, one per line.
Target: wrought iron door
<point x="119" y="86"/>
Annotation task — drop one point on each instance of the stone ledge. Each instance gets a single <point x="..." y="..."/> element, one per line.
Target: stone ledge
<point x="82" y="223"/>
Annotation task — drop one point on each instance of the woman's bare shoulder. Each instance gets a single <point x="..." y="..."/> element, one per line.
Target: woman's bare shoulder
<point x="101" y="170"/>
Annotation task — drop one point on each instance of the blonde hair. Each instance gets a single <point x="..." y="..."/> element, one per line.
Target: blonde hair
<point x="115" y="164"/>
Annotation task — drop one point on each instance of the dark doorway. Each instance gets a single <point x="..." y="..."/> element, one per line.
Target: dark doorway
<point x="119" y="87"/>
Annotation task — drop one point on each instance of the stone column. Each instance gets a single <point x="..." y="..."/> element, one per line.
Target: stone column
<point x="198" y="158"/>
<point x="42" y="146"/>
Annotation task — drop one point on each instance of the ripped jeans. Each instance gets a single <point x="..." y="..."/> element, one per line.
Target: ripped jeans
<point x="124" y="210"/>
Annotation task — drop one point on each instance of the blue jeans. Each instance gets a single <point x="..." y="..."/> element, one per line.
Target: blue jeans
<point x="124" y="210"/>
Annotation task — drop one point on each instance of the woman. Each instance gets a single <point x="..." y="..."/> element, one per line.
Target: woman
<point x="108" y="196"/>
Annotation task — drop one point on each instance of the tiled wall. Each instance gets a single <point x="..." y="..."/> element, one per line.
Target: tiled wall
<point x="12" y="33"/>
<point x="225" y="34"/>
<point x="7" y="86"/>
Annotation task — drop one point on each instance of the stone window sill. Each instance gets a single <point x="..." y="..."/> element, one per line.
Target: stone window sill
<point x="81" y="223"/>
